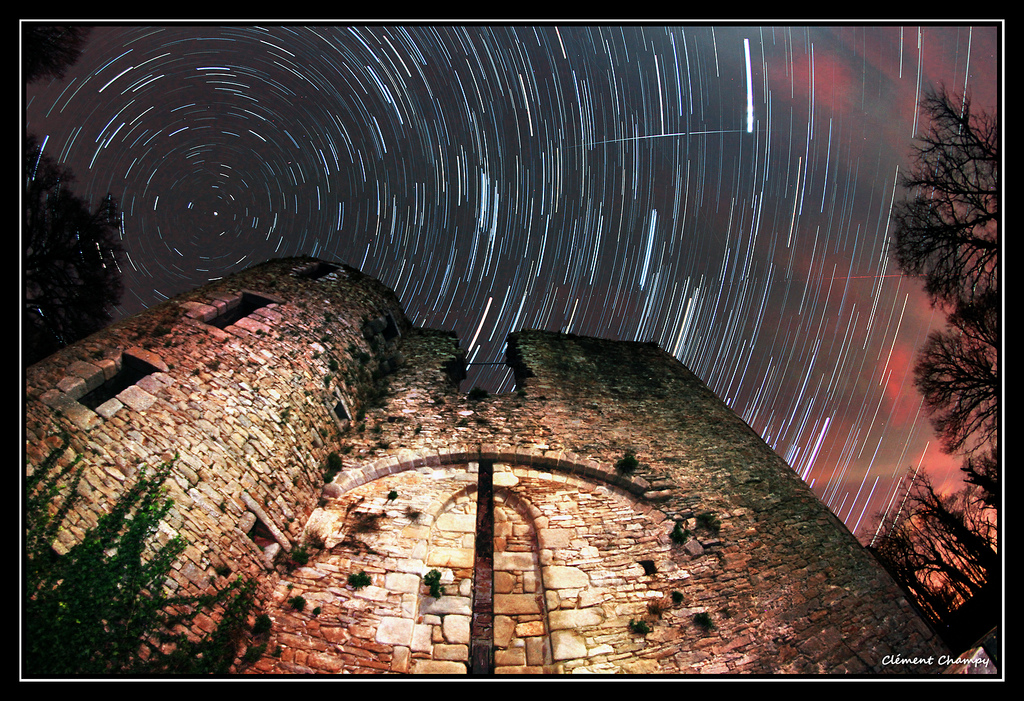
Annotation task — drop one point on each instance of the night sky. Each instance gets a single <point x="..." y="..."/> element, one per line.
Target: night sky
<point x="724" y="191"/>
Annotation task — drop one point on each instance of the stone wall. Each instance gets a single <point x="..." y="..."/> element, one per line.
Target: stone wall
<point x="712" y="556"/>
<point x="249" y="409"/>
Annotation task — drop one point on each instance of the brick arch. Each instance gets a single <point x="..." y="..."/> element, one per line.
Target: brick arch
<point x="548" y="640"/>
<point x="444" y="623"/>
<point x="543" y="460"/>
<point x="519" y="643"/>
<point x="594" y="580"/>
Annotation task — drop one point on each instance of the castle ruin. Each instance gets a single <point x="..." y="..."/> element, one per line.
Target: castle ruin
<point x="611" y="515"/>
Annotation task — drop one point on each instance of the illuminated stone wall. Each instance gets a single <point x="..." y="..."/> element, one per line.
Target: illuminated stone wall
<point x="585" y="574"/>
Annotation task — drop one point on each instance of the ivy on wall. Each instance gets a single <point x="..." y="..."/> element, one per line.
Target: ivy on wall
<point x="102" y="609"/>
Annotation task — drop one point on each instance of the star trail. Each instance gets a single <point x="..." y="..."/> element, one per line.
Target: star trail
<point x="723" y="191"/>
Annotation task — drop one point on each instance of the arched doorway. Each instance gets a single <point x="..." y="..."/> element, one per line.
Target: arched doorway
<point x="561" y="584"/>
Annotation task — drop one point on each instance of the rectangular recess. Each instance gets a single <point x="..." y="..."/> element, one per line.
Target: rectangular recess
<point x="132" y="370"/>
<point x="249" y="303"/>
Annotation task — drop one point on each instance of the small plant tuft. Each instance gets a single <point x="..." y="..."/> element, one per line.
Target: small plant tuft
<point x="627" y="464"/>
<point x="639" y="627"/>
<point x="297" y="602"/>
<point x="679" y="534"/>
<point x="478" y="393"/>
<point x="703" y="619"/>
<point x="359" y="580"/>
<point x="433" y="580"/>
<point x="334" y="466"/>
<point x="709" y="521"/>
<point x="300" y="556"/>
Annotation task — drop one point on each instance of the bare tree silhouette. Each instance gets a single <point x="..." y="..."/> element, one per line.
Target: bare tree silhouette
<point x="944" y="548"/>
<point x="71" y="273"/>
<point x="47" y="50"/>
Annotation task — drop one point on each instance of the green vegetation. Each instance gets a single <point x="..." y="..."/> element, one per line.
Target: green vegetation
<point x="300" y="556"/>
<point x="254" y="653"/>
<point x="433" y="580"/>
<point x="297" y="602"/>
<point x="334" y="466"/>
<point x="359" y="580"/>
<point x="262" y="624"/>
<point x="627" y="464"/>
<point x="709" y="521"/>
<point x="639" y="627"/>
<point x="102" y="608"/>
<point x="478" y="393"/>
<point x="679" y="535"/>
<point x="703" y="620"/>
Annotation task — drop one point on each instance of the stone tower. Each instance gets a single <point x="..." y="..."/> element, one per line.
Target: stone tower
<point x="610" y="516"/>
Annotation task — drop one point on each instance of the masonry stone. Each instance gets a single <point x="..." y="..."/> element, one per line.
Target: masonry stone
<point x="324" y="422"/>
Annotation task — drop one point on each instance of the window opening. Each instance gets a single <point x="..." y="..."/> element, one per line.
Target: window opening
<point x="249" y="303"/>
<point x="261" y="535"/>
<point x="341" y="412"/>
<point x="390" y="328"/>
<point x="132" y="370"/>
<point x="318" y="270"/>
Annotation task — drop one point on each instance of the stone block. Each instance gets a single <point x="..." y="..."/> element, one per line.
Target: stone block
<point x="529" y="629"/>
<point x="148" y="357"/>
<point x="438" y="667"/>
<point x="421" y="638"/>
<point x="554" y="537"/>
<point x="199" y="311"/>
<point x="504" y="582"/>
<point x="400" y="660"/>
<point x="515" y="604"/>
<point x="456" y="628"/>
<point x="561" y="577"/>
<point x="518" y="561"/>
<point x="402" y="582"/>
<point x="91" y="374"/>
<point x="515" y="656"/>
<point x="136" y="398"/>
<point x="153" y="382"/>
<point x="73" y="386"/>
<point x="451" y="652"/>
<point x="81" y="416"/>
<point x="575" y="618"/>
<point x="251" y="325"/>
<point x="462" y="523"/>
<point x="394" y="631"/>
<point x="450" y="557"/>
<point x="567" y="645"/>
<point x="535" y="651"/>
<point x="504" y="627"/>
<point x="109" y="408"/>
<point x="447" y="604"/>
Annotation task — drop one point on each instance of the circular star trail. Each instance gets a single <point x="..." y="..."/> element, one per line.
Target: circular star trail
<point x="722" y="190"/>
